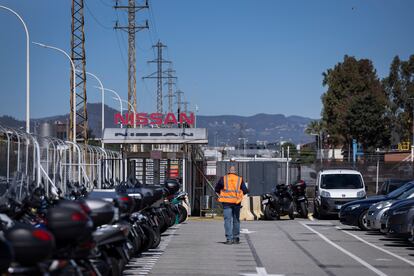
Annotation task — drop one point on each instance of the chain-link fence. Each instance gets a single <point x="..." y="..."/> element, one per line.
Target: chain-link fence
<point x="373" y="172"/>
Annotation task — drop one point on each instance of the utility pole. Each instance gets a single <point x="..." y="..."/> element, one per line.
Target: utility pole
<point x="79" y="59"/>
<point x="170" y="75"/>
<point x="186" y="107"/>
<point x="132" y="29"/>
<point x="179" y="94"/>
<point x="159" y="74"/>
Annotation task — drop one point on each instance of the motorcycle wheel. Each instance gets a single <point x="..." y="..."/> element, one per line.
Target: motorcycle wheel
<point x="115" y="266"/>
<point x="183" y="214"/>
<point x="270" y="213"/>
<point x="171" y="217"/>
<point x="303" y="209"/>
<point x="316" y="212"/>
<point x="149" y="237"/>
<point x="291" y="212"/>
<point x="157" y="238"/>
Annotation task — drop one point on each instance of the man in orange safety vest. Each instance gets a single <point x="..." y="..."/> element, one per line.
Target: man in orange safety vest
<point x="231" y="189"/>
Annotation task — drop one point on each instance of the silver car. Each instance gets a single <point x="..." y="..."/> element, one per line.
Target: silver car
<point x="376" y="211"/>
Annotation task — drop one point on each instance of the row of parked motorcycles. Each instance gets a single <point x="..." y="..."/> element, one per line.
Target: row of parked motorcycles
<point x="85" y="233"/>
<point x="286" y="200"/>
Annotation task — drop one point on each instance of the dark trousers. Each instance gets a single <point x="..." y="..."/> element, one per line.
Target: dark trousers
<point x="231" y="221"/>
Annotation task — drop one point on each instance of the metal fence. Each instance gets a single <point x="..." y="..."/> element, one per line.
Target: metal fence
<point x="262" y="176"/>
<point x="54" y="162"/>
<point x="373" y="172"/>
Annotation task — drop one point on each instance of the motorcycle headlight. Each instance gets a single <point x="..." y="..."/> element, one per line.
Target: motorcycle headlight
<point x="361" y="194"/>
<point x="325" y="194"/>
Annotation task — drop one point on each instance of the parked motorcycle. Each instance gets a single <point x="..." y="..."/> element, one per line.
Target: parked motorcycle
<point x="299" y="198"/>
<point x="278" y="203"/>
<point x="177" y="200"/>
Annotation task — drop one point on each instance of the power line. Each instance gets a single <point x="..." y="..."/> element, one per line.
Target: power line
<point x="96" y="19"/>
<point x="132" y="29"/>
<point x="159" y="74"/>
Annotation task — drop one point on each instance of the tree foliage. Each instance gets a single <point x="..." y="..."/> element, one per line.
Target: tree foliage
<point x="355" y="105"/>
<point x="399" y="86"/>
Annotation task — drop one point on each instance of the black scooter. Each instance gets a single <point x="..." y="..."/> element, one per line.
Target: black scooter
<point x="279" y="203"/>
<point x="300" y="199"/>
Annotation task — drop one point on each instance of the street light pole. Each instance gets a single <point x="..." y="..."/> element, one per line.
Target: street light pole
<point x="102" y="103"/>
<point x="117" y="95"/>
<point x="27" y="66"/>
<point x="73" y="82"/>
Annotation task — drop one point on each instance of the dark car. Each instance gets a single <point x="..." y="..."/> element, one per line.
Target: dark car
<point x="354" y="213"/>
<point x="401" y="218"/>
<point x="390" y="185"/>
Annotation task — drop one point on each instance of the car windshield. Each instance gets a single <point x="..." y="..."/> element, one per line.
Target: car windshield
<point x="400" y="190"/>
<point x="341" y="181"/>
<point x="406" y="194"/>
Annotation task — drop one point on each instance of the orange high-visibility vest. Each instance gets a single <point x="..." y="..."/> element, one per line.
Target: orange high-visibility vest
<point x="231" y="192"/>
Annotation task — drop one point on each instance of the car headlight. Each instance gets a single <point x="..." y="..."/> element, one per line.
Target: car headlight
<point x="361" y="194"/>
<point x="325" y="194"/>
<point x="401" y="212"/>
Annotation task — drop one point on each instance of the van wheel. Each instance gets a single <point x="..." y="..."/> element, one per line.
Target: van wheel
<point x="363" y="225"/>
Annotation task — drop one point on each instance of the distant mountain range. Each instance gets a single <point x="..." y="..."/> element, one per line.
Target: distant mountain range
<point x="222" y="129"/>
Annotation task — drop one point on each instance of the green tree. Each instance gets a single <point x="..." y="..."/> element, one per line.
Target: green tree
<point x="354" y="100"/>
<point x="399" y="86"/>
<point x="314" y="127"/>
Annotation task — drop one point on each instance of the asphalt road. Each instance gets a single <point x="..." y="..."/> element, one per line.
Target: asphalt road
<point x="286" y="247"/>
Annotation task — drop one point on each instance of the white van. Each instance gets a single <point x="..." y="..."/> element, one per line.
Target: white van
<point x="334" y="188"/>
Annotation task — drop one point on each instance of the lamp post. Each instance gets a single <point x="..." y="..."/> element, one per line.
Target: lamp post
<point x="27" y="66"/>
<point x="117" y="95"/>
<point x="244" y="145"/>
<point x="319" y="145"/>
<point x="102" y="103"/>
<point x="73" y="83"/>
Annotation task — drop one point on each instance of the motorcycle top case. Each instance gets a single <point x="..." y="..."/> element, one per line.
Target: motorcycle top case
<point x="69" y="223"/>
<point x="30" y="245"/>
<point x="299" y="187"/>
<point x="6" y="256"/>
<point x="172" y="185"/>
<point x="102" y="212"/>
<point x="150" y="194"/>
<point x="126" y="204"/>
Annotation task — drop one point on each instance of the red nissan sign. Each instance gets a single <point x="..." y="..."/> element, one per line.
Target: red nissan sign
<point x="154" y="119"/>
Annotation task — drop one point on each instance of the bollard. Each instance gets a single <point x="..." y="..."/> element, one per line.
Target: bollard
<point x="245" y="212"/>
<point x="257" y="207"/>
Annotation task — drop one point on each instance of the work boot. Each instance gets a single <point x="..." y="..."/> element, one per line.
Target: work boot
<point x="236" y="240"/>
<point x="229" y="242"/>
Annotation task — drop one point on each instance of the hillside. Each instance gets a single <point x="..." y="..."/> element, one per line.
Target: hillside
<point x="223" y="129"/>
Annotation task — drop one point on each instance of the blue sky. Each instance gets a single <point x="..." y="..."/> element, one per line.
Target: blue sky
<point x="232" y="57"/>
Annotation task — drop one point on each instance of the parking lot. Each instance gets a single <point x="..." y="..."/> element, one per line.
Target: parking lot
<point x="286" y="247"/>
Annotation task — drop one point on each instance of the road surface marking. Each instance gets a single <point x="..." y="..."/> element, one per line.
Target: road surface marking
<point x="246" y="231"/>
<point x="261" y="271"/>
<point x="343" y="250"/>
<point x="383" y="260"/>
<point x="377" y="247"/>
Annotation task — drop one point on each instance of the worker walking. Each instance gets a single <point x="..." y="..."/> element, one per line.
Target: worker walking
<point x="231" y="189"/>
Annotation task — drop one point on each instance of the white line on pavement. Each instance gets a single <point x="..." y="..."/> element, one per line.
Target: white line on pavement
<point x="377" y="247"/>
<point x="261" y="271"/>
<point x="343" y="250"/>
